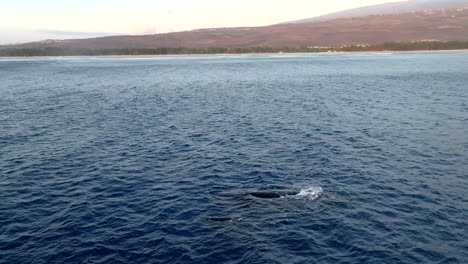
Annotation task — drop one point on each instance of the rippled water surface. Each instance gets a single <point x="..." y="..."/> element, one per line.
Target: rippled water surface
<point x="157" y="160"/>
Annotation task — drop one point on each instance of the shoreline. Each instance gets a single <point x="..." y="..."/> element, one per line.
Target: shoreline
<point x="233" y="54"/>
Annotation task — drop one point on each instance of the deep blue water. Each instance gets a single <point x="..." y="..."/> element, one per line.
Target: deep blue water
<point x="129" y="160"/>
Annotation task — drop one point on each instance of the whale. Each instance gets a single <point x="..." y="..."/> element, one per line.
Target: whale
<point x="273" y="194"/>
<point x="223" y="219"/>
<point x="262" y="194"/>
<point x="312" y="192"/>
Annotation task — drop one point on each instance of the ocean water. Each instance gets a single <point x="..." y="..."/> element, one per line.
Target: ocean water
<point x="159" y="160"/>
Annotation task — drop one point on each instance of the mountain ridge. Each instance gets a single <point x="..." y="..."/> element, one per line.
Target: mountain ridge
<point x="386" y="9"/>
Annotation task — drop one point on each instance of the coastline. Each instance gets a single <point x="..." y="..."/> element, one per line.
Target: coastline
<point x="235" y="54"/>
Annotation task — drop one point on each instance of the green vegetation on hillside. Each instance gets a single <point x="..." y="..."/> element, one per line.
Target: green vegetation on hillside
<point x="388" y="46"/>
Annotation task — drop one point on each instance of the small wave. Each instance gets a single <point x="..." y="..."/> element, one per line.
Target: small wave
<point x="311" y="193"/>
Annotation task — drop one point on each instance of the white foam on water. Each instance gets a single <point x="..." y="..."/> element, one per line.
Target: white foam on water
<point x="312" y="192"/>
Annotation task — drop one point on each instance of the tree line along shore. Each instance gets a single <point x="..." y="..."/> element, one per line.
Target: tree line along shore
<point x="387" y="46"/>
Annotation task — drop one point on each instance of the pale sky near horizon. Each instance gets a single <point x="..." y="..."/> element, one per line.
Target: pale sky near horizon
<point x="32" y="20"/>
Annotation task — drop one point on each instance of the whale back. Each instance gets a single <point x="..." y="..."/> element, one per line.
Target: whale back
<point x="273" y="194"/>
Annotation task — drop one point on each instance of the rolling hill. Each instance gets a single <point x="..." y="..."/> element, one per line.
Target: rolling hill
<point x="439" y="25"/>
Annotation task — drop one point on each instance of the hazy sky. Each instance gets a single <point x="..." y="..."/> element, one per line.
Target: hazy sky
<point x="29" y="20"/>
